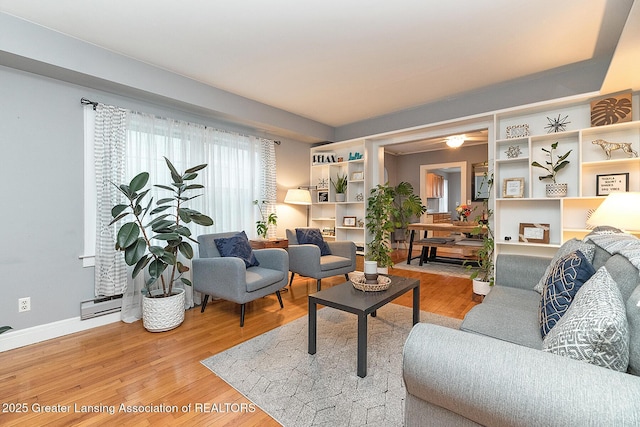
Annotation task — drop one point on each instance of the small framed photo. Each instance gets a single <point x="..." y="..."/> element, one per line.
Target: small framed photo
<point x="513" y="188"/>
<point x="349" y="221"/>
<point x="611" y="183"/>
<point x="357" y="176"/>
<point x="533" y="233"/>
<point x="323" y="196"/>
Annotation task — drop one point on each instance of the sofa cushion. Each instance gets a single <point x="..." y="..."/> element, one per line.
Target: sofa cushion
<point x="568" y="274"/>
<point x="312" y="236"/>
<point x="588" y="249"/>
<point x="237" y="246"/>
<point x="594" y="329"/>
<point x="517" y="326"/>
<point x="633" y="317"/>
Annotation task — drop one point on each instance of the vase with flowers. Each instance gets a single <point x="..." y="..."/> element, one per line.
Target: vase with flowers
<point x="464" y="211"/>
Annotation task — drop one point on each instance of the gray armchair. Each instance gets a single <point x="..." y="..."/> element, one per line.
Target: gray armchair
<point x="307" y="261"/>
<point x="228" y="278"/>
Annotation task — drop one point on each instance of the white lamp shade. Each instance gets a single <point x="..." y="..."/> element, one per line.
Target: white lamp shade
<point x="298" y="197"/>
<point x="620" y="210"/>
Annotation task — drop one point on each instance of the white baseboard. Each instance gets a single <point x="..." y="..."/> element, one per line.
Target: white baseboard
<point x="22" y="337"/>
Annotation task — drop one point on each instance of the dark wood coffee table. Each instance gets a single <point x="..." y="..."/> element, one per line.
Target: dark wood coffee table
<point x="347" y="298"/>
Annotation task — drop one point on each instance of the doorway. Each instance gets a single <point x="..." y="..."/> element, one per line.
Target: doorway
<point x="455" y="188"/>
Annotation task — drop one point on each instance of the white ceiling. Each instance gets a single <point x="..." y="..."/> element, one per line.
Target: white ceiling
<point x="340" y="61"/>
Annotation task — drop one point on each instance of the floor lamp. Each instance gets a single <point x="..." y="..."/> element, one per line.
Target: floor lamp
<point x="618" y="210"/>
<point x="299" y="196"/>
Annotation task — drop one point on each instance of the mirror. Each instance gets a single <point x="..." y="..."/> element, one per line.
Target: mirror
<point x="479" y="186"/>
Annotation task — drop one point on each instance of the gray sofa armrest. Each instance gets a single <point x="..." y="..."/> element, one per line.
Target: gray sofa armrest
<point x="273" y="258"/>
<point x="498" y="383"/>
<point x="219" y="276"/>
<point x="305" y="258"/>
<point x="520" y="271"/>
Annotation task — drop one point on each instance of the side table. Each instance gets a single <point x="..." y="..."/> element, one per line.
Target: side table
<point x="269" y="243"/>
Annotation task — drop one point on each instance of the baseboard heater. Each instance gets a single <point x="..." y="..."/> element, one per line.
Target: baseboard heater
<point x="100" y="306"/>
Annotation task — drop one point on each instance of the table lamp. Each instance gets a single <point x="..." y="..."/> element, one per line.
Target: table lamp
<point x="618" y="210"/>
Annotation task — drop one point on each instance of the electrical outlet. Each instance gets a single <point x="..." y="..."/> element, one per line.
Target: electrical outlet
<point x="24" y="304"/>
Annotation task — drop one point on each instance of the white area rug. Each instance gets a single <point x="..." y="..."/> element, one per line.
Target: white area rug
<point x="276" y="373"/>
<point x="448" y="269"/>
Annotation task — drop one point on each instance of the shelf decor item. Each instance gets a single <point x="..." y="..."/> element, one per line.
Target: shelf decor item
<point x="612" y="183"/>
<point x="612" y="109"/>
<point x="557" y="124"/>
<point x="608" y="147"/>
<point x="517" y="131"/>
<point x="513" y="152"/>
<point x="553" y="167"/>
<point x="533" y="233"/>
<point x="513" y="188"/>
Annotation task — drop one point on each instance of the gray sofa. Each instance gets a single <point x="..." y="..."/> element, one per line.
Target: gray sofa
<point x="493" y="371"/>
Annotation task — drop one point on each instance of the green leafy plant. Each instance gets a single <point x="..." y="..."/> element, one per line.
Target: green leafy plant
<point x="136" y="239"/>
<point x="262" y="226"/>
<point x="406" y="205"/>
<point x="380" y="208"/>
<point x="340" y="184"/>
<point x="5" y="328"/>
<point x="552" y="167"/>
<point x="485" y="264"/>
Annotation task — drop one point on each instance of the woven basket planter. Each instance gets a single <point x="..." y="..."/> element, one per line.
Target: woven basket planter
<point x="556" y="190"/>
<point x="163" y="314"/>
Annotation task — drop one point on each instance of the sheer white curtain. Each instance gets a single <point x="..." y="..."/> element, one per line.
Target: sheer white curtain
<point x="241" y="168"/>
<point x="109" y="152"/>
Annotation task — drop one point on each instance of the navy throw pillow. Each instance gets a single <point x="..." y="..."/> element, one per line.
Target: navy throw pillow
<point x="569" y="273"/>
<point x="237" y="246"/>
<point x="312" y="236"/>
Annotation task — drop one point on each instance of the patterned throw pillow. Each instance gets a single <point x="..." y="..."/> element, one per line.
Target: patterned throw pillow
<point x="237" y="246"/>
<point x="587" y="249"/>
<point x="567" y="276"/>
<point x="312" y="236"/>
<point x="595" y="327"/>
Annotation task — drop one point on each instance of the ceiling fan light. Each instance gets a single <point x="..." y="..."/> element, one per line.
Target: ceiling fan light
<point x="455" y="141"/>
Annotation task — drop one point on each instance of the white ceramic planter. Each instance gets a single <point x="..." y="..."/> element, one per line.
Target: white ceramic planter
<point x="163" y="314"/>
<point x="480" y="287"/>
<point x="556" y="190"/>
<point x="340" y="197"/>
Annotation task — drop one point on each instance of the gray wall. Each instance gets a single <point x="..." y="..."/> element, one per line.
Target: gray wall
<point x="41" y="134"/>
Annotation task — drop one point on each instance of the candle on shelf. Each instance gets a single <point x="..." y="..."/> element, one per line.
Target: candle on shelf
<point x="370" y="267"/>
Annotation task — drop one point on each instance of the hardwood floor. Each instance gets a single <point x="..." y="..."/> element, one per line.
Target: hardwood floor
<point x="79" y="379"/>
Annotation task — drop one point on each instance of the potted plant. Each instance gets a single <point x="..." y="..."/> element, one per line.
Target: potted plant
<point x="483" y="274"/>
<point x="156" y="243"/>
<point x="553" y="189"/>
<point x="340" y="185"/>
<point x="380" y="224"/>
<point x="262" y="226"/>
<point x="406" y="206"/>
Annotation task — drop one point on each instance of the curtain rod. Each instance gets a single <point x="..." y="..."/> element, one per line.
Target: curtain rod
<point x="85" y="101"/>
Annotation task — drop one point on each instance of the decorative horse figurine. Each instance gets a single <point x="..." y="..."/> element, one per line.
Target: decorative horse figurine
<point x="608" y="147"/>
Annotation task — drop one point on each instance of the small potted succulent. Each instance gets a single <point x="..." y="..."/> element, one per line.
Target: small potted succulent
<point x="340" y="185"/>
<point x="553" y="166"/>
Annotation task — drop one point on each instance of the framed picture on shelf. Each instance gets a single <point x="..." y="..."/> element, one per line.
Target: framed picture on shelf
<point x="513" y="188"/>
<point x="611" y="183"/>
<point x="323" y="196"/>
<point x="533" y="233"/>
<point x="357" y="176"/>
<point x="349" y="221"/>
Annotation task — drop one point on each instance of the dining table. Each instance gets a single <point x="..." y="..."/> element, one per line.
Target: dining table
<point x="451" y="227"/>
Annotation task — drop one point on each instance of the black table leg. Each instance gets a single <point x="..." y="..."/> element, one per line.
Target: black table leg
<point x="313" y="324"/>
<point x="362" y="345"/>
<point x="410" y="246"/>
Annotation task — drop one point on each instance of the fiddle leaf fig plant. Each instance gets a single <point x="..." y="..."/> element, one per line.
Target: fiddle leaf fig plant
<point x="156" y="241"/>
<point x="380" y="224"/>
